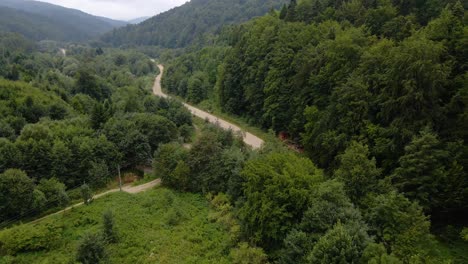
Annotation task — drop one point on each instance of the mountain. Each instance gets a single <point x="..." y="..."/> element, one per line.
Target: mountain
<point x="39" y="21"/>
<point x="182" y="25"/>
<point x="137" y="20"/>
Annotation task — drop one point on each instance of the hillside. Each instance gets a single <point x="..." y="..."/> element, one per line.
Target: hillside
<point x="137" y="20"/>
<point x="39" y="21"/>
<point x="182" y="25"/>
<point x="158" y="226"/>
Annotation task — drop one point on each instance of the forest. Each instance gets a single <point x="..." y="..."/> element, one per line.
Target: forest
<point x="65" y="121"/>
<point x="374" y="92"/>
<point x="193" y="22"/>
<point x="364" y="103"/>
<point x="38" y="20"/>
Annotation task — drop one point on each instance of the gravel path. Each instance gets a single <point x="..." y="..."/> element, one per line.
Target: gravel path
<point x="249" y="138"/>
<point x="127" y="189"/>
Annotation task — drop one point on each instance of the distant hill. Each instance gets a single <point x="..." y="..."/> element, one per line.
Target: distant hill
<point x="138" y="20"/>
<point x="39" y="21"/>
<point x="182" y="25"/>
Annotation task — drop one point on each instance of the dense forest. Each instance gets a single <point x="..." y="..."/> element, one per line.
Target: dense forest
<point x="374" y="92"/>
<point x="65" y="121"/>
<point x="371" y="93"/>
<point x="42" y="21"/>
<point x="189" y="23"/>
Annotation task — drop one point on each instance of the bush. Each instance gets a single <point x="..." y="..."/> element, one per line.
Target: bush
<point x="91" y="250"/>
<point x="29" y="238"/>
<point x="109" y="232"/>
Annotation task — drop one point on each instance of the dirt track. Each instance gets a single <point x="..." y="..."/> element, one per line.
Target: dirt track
<point x="127" y="189"/>
<point x="249" y="138"/>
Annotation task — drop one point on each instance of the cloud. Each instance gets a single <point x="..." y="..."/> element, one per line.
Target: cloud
<point x="120" y="9"/>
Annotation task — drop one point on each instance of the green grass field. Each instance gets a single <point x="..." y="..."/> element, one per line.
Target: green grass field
<point x="158" y="226"/>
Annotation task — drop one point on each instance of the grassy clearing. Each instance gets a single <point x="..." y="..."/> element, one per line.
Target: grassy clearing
<point x="158" y="226"/>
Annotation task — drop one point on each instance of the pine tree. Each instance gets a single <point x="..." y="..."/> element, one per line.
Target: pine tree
<point x="283" y="12"/>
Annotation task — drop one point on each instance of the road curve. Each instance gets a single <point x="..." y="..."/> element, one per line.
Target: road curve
<point x="249" y="139"/>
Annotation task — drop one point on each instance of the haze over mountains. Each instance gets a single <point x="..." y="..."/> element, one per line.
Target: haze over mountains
<point x="39" y="21"/>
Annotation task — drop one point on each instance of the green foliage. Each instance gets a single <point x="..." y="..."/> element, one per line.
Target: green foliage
<point x="99" y="174"/>
<point x="166" y="159"/>
<point x="109" y="232"/>
<point x="357" y="171"/>
<point x="245" y="254"/>
<point x="54" y="192"/>
<point x="377" y="254"/>
<point x="399" y="224"/>
<point x="16" y="194"/>
<point x="143" y="233"/>
<point x="43" y="21"/>
<point x="188" y="23"/>
<point x="338" y="245"/>
<point x="29" y="238"/>
<point x="431" y="173"/>
<point x="330" y="73"/>
<point x="91" y="249"/>
<point x="86" y="194"/>
<point x="276" y="191"/>
<point x="464" y="234"/>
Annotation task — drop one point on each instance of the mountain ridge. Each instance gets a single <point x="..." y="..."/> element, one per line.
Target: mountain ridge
<point x="82" y="26"/>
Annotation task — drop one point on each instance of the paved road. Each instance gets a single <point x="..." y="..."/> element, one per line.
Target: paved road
<point x="128" y="189"/>
<point x="249" y="138"/>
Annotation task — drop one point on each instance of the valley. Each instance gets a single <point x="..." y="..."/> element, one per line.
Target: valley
<point x="243" y="131"/>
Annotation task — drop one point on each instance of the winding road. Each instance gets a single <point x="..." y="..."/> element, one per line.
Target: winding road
<point x="249" y="139"/>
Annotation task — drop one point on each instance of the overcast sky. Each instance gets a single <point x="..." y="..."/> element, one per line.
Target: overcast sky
<point x="120" y="9"/>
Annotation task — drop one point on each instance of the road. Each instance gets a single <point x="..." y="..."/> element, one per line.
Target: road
<point x="249" y="139"/>
<point x="127" y="189"/>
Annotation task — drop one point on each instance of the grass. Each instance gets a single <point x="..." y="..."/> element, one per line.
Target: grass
<point x="157" y="226"/>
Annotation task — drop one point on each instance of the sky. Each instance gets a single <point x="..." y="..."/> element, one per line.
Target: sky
<point x="119" y="9"/>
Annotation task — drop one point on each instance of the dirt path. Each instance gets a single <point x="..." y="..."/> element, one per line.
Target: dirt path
<point x="127" y="189"/>
<point x="249" y="138"/>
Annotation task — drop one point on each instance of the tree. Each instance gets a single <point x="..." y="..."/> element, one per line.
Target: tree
<point x="91" y="249"/>
<point x="109" y="231"/>
<point x="86" y="194"/>
<point x="359" y="173"/>
<point x="62" y="161"/>
<point x="180" y="177"/>
<point x="201" y="160"/>
<point x="9" y="155"/>
<point x="338" y="246"/>
<point x="158" y="129"/>
<point x="399" y="224"/>
<point x="54" y="192"/>
<point x="98" y="174"/>
<point x="277" y="189"/>
<point x="166" y="159"/>
<point x="283" y="12"/>
<point x="16" y="194"/>
<point x="430" y="173"/>
<point x="377" y="254"/>
<point x="245" y="254"/>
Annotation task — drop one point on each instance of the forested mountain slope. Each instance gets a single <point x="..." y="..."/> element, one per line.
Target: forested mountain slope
<point x="182" y="25"/>
<point x="390" y="75"/>
<point x="39" y="21"/>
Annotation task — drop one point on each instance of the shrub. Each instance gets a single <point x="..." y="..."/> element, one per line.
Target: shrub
<point x="91" y="249"/>
<point x="29" y="238"/>
<point x="109" y="232"/>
